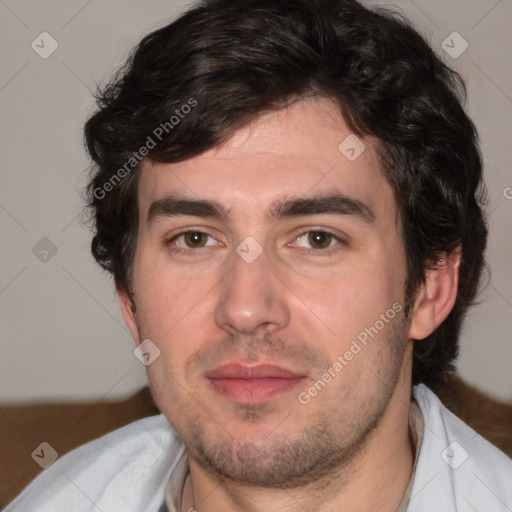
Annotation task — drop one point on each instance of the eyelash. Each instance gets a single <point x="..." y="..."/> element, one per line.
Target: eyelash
<point x="327" y="251"/>
<point x="181" y="250"/>
<point x="319" y="252"/>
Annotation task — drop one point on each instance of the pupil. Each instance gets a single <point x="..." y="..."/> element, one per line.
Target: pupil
<point x="195" y="238"/>
<point x="319" y="238"/>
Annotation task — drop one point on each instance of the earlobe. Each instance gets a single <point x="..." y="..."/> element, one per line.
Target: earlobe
<point x="436" y="297"/>
<point x="128" y="310"/>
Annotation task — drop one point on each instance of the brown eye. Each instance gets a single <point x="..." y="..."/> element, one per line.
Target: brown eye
<point x="194" y="239"/>
<point x="319" y="242"/>
<point x="320" y="239"/>
<point x="193" y="243"/>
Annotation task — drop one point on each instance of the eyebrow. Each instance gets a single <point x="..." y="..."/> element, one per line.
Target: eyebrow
<point x="175" y="206"/>
<point x="335" y="203"/>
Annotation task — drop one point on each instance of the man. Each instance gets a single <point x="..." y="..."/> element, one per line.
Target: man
<point x="289" y="197"/>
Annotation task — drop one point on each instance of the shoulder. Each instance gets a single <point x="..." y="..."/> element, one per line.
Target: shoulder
<point x="457" y="469"/>
<point x="126" y="469"/>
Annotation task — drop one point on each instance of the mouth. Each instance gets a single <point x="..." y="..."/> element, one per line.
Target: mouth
<point x="253" y="384"/>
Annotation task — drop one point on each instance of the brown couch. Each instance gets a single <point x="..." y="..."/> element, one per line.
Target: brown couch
<point x="66" y="425"/>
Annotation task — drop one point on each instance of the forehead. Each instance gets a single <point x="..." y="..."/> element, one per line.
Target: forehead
<point x="305" y="149"/>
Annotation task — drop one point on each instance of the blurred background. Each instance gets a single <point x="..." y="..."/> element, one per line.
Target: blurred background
<point x="63" y="337"/>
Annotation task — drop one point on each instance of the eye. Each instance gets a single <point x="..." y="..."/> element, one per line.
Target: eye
<point x="190" y="240"/>
<point x="317" y="239"/>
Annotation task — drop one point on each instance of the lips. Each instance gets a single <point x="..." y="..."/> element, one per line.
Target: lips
<point x="253" y="384"/>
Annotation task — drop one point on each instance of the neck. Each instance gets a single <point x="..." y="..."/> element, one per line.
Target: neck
<point x="376" y="479"/>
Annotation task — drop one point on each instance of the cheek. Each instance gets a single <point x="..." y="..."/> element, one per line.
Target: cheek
<point x="348" y="301"/>
<point x="171" y="312"/>
<point x="168" y="295"/>
<point x="339" y="297"/>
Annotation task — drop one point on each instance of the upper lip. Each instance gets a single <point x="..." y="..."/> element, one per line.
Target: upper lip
<point x="240" y="371"/>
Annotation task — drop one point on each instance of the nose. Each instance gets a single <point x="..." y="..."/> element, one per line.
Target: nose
<point x="252" y="299"/>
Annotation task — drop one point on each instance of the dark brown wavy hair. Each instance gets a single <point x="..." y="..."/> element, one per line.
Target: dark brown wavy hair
<point x="237" y="60"/>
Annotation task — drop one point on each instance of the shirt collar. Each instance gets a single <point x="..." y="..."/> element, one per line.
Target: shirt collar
<point x="176" y="482"/>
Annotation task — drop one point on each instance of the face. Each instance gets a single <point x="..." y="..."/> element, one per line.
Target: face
<point x="270" y="274"/>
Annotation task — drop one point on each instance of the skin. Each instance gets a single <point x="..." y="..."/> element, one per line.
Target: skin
<point x="298" y="305"/>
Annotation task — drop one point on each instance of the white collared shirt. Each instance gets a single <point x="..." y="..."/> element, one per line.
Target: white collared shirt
<point x="128" y="470"/>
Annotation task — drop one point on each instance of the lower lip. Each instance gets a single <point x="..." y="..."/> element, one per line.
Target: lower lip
<point x="254" y="391"/>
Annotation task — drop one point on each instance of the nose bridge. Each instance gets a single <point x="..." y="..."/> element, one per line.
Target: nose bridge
<point x="251" y="298"/>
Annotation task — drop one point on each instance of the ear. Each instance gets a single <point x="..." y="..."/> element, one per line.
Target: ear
<point x="435" y="298"/>
<point x="129" y="315"/>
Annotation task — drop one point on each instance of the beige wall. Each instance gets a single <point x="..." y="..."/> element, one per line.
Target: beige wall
<point x="62" y="332"/>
